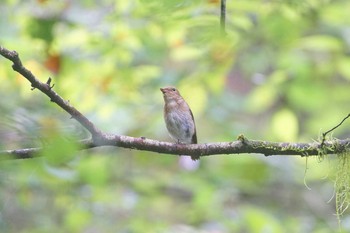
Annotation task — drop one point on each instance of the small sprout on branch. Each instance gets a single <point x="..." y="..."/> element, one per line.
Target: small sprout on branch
<point x="48" y="83"/>
<point x="242" y="139"/>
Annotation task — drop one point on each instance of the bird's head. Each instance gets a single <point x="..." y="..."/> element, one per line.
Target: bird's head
<point x="170" y="93"/>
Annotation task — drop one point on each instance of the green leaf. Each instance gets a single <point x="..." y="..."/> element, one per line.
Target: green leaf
<point x="285" y="125"/>
<point x="321" y="43"/>
<point x="77" y="219"/>
<point x="259" y="221"/>
<point x="94" y="170"/>
<point x="60" y="150"/>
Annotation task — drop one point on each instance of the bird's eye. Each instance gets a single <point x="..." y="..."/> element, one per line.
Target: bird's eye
<point x="173" y="89"/>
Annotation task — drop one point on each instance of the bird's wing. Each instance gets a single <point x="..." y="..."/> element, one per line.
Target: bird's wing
<point x="194" y="137"/>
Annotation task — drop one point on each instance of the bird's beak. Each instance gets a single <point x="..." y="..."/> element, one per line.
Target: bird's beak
<point x="162" y="90"/>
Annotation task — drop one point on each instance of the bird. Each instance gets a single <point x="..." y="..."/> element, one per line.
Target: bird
<point x="178" y="118"/>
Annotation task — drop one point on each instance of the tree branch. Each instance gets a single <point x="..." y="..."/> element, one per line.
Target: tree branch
<point x="223" y="16"/>
<point x="47" y="90"/>
<point x="242" y="145"/>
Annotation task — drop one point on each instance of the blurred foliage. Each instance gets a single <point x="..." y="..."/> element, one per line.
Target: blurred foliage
<point x="281" y="73"/>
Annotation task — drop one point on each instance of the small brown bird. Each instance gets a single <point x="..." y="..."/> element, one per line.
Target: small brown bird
<point x="179" y="118"/>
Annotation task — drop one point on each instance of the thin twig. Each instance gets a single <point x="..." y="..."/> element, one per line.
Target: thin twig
<point x="324" y="134"/>
<point x="223" y="16"/>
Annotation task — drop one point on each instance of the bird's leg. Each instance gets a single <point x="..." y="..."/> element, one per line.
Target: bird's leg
<point x="178" y="142"/>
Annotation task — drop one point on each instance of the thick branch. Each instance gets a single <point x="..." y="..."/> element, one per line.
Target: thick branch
<point x="20" y="153"/>
<point x="47" y="90"/>
<point x="243" y="145"/>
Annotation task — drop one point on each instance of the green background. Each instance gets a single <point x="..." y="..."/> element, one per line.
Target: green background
<point x="281" y="73"/>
